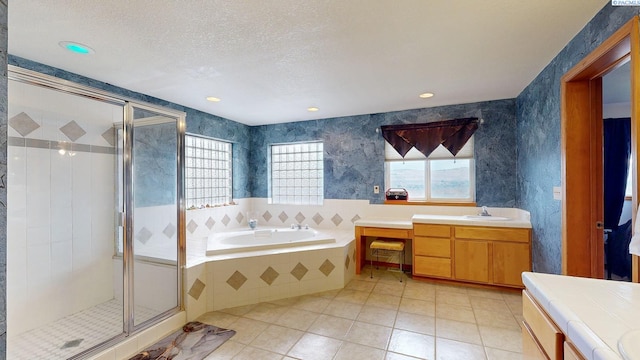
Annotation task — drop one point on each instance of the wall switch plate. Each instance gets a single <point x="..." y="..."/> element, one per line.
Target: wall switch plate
<point x="557" y="193"/>
<point x="376" y="189"/>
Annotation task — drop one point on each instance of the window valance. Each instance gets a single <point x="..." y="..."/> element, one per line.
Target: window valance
<point x="426" y="137"/>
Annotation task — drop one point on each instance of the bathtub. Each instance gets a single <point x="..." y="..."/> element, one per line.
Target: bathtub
<point x="264" y="239"/>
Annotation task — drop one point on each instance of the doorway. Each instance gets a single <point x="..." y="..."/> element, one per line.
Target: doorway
<point x="581" y="154"/>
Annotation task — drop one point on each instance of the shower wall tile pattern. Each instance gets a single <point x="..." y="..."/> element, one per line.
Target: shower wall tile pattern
<point x="73" y="131"/>
<point x="23" y="124"/>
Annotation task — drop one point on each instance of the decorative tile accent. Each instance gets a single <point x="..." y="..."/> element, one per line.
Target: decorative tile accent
<point x="23" y="124"/>
<point x="267" y="216"/>
<point x="269" y="275"/>
<point x="283" y="216"/>
<point x="355" y="218"/>
<point x="169" y="231"/>
<point x="300" y="218"/>
<point x="299" y="271"/>
<point x="347" y="262"/>
<point x="196" y="289"/>
<point x="236" y="280"/>
<point x="192" y="226"/>
<point x="327" y="267"/>
<point x="336" y="219"/>
<point x="110" y="136"/>
<point x="144" y="235"/>
<point x="317" y="218"/>
<point x="239" y="218"/>
<point x="72" y="130"/>
<point x="354" y="254"/>
<point x="210" y="222"/>
<point x="72" y="343"/>
<point x="226" y="219"/>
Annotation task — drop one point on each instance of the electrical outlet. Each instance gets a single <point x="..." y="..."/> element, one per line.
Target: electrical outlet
<point x="376" y="189"/>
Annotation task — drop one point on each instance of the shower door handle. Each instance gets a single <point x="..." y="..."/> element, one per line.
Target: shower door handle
<point x="121" y="218"/>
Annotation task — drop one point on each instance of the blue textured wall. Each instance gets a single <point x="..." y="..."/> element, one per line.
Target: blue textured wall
<point x="354" y="152"/>
<point x="155" y="165"/>
<point x="538" y="137"/>
<point x="198" y="122"/>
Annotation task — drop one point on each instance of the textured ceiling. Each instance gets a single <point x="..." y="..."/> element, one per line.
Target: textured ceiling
<point x="270" y="60"/>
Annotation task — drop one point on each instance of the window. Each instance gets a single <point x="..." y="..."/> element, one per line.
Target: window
<point x="207" y="171"/>
<point x="438" y="178"/>
<point x="297" y="174"/>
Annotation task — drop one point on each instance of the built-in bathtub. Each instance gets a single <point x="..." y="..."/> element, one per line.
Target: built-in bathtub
<point x="264" y="239"/>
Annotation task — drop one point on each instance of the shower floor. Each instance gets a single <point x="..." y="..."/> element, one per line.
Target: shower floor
<point x="73" y="334"/>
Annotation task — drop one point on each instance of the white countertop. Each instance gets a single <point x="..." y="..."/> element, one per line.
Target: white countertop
<point x="386" y="223"/>
<point x="509" y="220"/>
<point x="600" y="317"/>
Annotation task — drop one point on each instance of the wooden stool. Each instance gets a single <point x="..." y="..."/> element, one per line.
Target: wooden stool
<point x="387" y="245"/>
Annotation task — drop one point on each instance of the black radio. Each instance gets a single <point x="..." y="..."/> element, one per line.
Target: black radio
<point x="397" y="194"/>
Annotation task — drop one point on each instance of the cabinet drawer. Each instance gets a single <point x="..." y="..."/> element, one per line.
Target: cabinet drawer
<point x="488" y="233"/>
<point x="570" y="353"/>
<point x="428" y="246"/>
<point x="432" y="230"/>
<point x="547" y="334"/>
<point x="387" y="233"/>
<point x="530" y="347"/>
<point x="432" y="266"/>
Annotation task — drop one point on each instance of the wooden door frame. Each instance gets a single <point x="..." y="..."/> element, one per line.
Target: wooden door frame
<point x="581" y="151"/>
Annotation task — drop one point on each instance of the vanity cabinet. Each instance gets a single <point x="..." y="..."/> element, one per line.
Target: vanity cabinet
<point x="432" y="249"/>
<point x="479" y="254"/>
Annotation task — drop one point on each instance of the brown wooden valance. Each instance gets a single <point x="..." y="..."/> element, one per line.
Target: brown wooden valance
<point x="452" y="134"/>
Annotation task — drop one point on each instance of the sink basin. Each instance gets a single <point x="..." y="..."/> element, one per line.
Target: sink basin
<point x="486" y="218"/>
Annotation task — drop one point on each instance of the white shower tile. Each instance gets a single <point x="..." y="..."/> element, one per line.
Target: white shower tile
<point x="38" y="235"/>
<point x="61" y="179"/>
<point x="61" y="259"/>
<point x="81" y="175"/>
<point x="38" y="267"/>
<point x="61" y="224"/>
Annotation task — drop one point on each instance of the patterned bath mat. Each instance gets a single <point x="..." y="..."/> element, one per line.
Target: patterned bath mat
<point x="193" y="342"/>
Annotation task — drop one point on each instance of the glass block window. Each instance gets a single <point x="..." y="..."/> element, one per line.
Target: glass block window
<point x="297" y="174"/>
<point x="207" y="171"/>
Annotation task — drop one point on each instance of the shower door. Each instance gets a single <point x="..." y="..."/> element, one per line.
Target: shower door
<point x="153" y="207"/>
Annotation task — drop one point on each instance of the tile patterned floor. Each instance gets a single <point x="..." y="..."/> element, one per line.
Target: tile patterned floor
<point x="377" y="318"/>
<point x="74" y="333"/>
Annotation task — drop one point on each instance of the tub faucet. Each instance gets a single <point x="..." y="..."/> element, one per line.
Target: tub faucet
<point x="484" y="212"/>
<point x="296" y="226"/>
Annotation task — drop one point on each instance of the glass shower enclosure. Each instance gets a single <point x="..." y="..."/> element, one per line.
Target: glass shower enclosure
<point x="95" y="217"/>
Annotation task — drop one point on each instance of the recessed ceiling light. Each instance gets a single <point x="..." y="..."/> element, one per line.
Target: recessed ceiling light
<point x="213" y="99"/>
<point x="312" y="109"/>
<point x="426" y="95"/>
<point x="76" y="47"/>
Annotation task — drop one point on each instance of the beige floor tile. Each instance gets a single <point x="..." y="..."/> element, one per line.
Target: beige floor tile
<point x="412" y="344"/>
<point x="395" y="356"/>
<point x="499" y="319"/>
<point x="238" y="310"/>
<point x="452" y="298"/>
<point x="331" y="326"/>
<point x="497" y="354"/>
<point x="457" y="330"/>
<point x="377" y="315"/>
<point x="459" y="288"/>
<point x="266" y="312"/>
<point x="427" y="293"/>
<point x="394" y="288"/>
<point x="504" y="339"/>
<point x="251" y="353"/>
<point x="416" y="323"/>
<point x="455" y="312"/>
<point x="486" y="293"/>
<point x="312" y="303"/>
<point x="384" y="301"/>
<point x="329" y="294"/>
<point x="361" y="285"/>
<point x="350" y="351"/>
<point x="352" y="296"/>
<point x="455" y="350"/>
<point x="420" y="307"/>
<point x="285" y="302"/>
<point x="247" y="329"/>
<point x="315" y="347"/>
<point x="226" y="351"/>
<point x="297" y="319"/>
<point x="277" y="339"/>
<point x="343" y="309"/>
<point x="369" y="335"/>
<point x="218" y="318"/>
<point x="496" y="305"/>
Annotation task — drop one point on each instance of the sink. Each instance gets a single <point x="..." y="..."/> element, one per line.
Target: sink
<point x="486" y="218"/>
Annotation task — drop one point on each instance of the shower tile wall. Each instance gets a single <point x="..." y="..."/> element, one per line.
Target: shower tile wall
<point x="60" y="218"/>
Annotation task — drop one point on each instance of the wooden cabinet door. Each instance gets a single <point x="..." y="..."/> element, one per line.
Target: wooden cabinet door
<point x="471" y="260"/>
<point x="509" y="261"/>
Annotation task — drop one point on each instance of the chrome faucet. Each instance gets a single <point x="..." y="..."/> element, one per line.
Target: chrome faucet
<point x="484" y="212"/>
